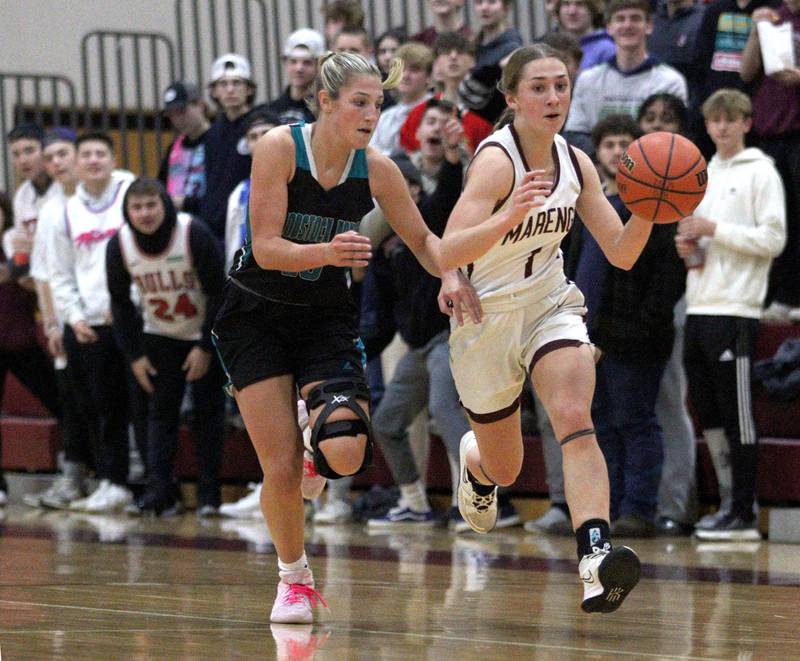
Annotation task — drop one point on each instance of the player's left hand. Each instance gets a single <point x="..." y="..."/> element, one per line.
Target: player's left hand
<point x="196" y="364"/>
<point x="693" y="227"/>
<point x="456" y="292"/>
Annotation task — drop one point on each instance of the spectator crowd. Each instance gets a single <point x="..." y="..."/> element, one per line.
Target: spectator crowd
<point x="125" y="273"/>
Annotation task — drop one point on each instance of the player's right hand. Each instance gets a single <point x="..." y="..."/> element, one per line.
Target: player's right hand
<point x="143" y="369"/>
<point x="531" y="193"/>
<point x="349" y="249"/>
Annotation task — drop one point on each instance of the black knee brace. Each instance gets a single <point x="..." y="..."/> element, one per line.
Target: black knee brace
<point x="333" y="394"/>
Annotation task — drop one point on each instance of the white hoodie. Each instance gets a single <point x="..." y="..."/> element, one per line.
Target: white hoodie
<point x="745" y="198"/>
<point x="78" y="252"/>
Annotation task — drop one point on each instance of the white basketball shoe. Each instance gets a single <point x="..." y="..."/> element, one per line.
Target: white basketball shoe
<point x="608" y="576"/>
<point x="480" y="512"/>
<point x="296" y="599"/>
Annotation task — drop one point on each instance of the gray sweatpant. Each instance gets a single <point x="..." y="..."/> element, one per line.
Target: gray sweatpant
<point x="422" y="377"/>
<point x="677" y="496"/>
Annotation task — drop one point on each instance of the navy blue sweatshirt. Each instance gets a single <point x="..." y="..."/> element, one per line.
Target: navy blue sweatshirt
<point x="227" y="164"/>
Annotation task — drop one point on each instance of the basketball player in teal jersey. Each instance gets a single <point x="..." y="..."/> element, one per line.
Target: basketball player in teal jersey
<point x="523" y="189"/>
<point x="288" y="320"/>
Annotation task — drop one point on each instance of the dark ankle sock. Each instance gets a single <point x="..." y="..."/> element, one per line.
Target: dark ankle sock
<point x="592" y="533"/>
<point x="480" y="489"/>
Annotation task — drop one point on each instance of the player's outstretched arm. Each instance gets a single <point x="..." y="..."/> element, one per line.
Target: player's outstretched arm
<point x="473" y="228"/>
<point x="621" y="244"/>
<point x="391" y="192"/>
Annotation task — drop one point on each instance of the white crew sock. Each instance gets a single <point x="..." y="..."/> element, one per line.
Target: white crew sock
<point x="414" y="496"/>
<point x="295" y="572"/>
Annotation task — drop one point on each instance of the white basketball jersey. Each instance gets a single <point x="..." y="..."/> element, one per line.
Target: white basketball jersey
<point x="173" y="303"/>
<point x="529" y="253"/>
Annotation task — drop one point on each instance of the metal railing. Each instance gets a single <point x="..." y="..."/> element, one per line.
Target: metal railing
<point x="46" y="99"/>
<point x="127" y="72"/>
<point x="206" y="29"/>
<point x="257" y="29"/>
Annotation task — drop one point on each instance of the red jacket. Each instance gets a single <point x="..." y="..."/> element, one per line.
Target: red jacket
<point x="476" y="128"/>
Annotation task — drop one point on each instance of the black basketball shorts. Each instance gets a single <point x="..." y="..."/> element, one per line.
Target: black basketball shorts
<point x="258" y="339"/>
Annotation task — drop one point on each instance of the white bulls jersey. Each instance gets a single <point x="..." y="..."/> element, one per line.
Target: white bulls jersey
<point x="173" y="302"/>
<point x="529" y="253"/>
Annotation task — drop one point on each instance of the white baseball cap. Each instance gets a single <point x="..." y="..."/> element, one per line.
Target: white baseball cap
<point x="304" y="42"/>
<point x="231" y="64"/>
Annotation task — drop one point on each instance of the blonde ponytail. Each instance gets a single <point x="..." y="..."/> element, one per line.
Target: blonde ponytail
<point x="396" y="68"/>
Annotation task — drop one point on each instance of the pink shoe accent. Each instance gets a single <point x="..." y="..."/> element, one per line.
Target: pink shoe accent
<point x="312" y="483"/>
<point x="299" y="591"/>
<point x="294" y="603"/>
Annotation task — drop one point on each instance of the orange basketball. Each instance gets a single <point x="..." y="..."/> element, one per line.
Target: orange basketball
<point x="662" y="177"/>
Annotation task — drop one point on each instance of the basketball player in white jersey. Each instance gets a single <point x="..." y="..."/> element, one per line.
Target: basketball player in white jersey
<point x="522" y="192"/>
<point x="175" y="265"/>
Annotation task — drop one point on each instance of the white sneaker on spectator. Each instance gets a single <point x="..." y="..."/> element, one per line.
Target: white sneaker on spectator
<point x="80" y="504"/>
<point x="62" y="492"/>
<point x="114" y="498"/>
<point x="248" y="507"/>
<point x="554" y="515"/>
<point x="710" y="521"/>
<point x="255" y="533"/>
<point x="334" y="511"/>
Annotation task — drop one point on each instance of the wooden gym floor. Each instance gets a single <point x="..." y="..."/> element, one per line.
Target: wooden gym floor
<point x="97" y="587"/>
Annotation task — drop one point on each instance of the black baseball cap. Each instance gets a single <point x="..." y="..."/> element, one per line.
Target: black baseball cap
<point x="179" y="95"/>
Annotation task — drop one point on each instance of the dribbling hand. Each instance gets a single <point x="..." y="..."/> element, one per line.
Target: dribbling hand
<point x="349" y="249"/>
<point x="456" y="295"/>
<point x="531" y="193"/>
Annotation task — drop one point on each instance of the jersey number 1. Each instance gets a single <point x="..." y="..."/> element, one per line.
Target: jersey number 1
<point x="529" y="263"/>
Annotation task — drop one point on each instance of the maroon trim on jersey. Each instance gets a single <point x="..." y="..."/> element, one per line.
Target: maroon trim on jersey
<point x="557" y="164"/>
<point x="517" y="142"/>
<point x="542" y="351"/>
<point x="501" y="202"/>
<point x="574" y="158"/>
<point x="553" y="153"/>
<point x="502" y="414"/>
